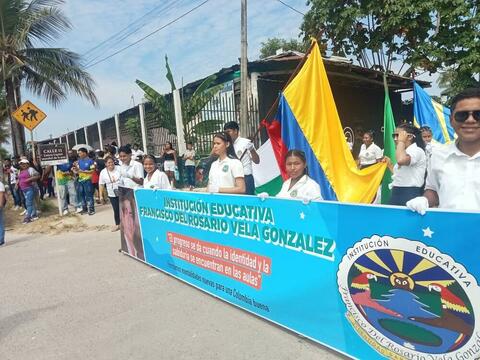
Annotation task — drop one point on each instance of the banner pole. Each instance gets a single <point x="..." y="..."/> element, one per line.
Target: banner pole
<point x="57" y="190"/>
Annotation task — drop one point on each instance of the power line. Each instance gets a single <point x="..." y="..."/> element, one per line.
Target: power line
<point x="291" y="7"/>
<point x="148" y="35"/>
<point x="122" y="30"/>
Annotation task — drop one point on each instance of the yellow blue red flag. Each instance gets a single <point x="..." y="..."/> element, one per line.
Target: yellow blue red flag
<point x="428" y="112"/>
<point x="307" y="119"/>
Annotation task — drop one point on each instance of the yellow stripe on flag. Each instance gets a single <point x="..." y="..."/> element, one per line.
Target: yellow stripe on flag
<point x="311" y="101"/>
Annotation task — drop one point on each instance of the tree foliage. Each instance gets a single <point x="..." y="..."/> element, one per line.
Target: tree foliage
<point x="191" y="106"/>
<point x="432" y="35"/>
<point x="48" y="72"/>
<point x="134" y="130"/>
<point x="271" y="45"/>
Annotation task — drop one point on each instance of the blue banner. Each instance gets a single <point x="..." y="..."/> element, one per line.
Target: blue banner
<point x="370" y="282"/>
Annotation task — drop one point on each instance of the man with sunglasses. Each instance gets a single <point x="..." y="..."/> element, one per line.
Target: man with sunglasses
<point x="453" y="179"/>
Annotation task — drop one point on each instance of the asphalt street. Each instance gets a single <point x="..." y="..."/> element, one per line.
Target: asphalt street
<point x="74" y="296"/>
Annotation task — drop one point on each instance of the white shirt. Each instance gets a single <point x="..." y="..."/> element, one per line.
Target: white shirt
<point x="370" y="155"/>
<point x="134" y="169"/>
<point x="412" y="175"/>
<point x="2" y="187"/>
<point x="305" y="188"/>
<point x="159" y="180"/>
<point x="189" y="153"/>
<point x="455" y="177"/>
<point x="224" y="172"/>
<point x="136" y="153"/>
<point x="111" y="180"/>
<point x="240" y="145"/>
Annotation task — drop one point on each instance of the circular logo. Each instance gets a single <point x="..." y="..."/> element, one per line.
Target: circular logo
<point x="225" y="168"/>
<point x="407" y="299"/>
<point x="293" y="193"/>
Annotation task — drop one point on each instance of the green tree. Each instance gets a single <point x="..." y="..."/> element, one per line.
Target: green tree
<point x="430" y="35"/>
<point x="271" y="45"/>
<point x="191" y="106"/>
<point x="134" y="130"/>
<point x="51" y="73"/>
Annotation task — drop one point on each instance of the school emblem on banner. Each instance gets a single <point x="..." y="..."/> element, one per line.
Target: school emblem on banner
<point x="407" y="300"/>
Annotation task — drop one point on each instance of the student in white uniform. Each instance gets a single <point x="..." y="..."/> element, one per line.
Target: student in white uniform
<point x="246" y="153"/>
<point x="370" y="153"/>
<point x="130" y="170"/>
<point x="409" y="171"/>
<point x="109" y="179"/>
<point x="298" y="185"/>
<point x="453" y="179"/>
<point x="155" y="179"/>
<point x="226" y="173"/>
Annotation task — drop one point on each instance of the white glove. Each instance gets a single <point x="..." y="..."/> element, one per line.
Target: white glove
<point x="213" y="188"/>
<point x="418" y="204"/>
<point x="250" y="146"/>
<point x="263" y="196"/>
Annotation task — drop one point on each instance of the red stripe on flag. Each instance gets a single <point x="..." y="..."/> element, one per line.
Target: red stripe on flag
<point x="274" y="130"/>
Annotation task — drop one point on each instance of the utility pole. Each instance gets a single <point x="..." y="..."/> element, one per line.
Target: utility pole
<point x="243" y="70"/>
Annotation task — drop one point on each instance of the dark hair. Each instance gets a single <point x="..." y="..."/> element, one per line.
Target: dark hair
<point x="151" y="157"/>
<point x="114" y="143"/>
<point x="126" y="149"/>
<point x="413" y="130"/>
<point x="231" y="125"/>
<point x="101" y="153"/>
<point x="91" y="154"/>
<point x="227" y="139"/>
<point x="426" y="129"/>
<point x="109" y="158"/>
<point x="171" y="145"/>
<point x="83" y="150"/>
<point x="369" y="133"/>
<point x="301" y="155"/>
<point x="190" y="143"/>
<point x="465" y="94"/>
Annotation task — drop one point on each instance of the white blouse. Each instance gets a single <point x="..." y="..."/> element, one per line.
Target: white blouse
<point x="305" y="188"/>
<point x="159" y="180"/>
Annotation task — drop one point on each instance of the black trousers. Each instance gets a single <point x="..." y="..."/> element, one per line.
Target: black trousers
<point x="400" y="194"/>
<point x="116" y="209"/>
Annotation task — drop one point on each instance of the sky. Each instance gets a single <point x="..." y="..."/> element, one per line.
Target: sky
<point x="199" y="44"/>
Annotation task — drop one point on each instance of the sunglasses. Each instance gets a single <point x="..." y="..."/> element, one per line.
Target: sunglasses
<point x="462" y="116"/>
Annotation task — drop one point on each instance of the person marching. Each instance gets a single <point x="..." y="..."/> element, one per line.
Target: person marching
<point x="85" y="167"/>
<point x="409" y="171"/>
<point x="66" y="184"/>
<point x="155" y="179"/>
<point x="109" y="178"/>
<point x="131" y="171"/>
<point x="453" y="178"/>
<point x="226" y="173"/>
<point x="298" y="185"/>
<point x="189" y="158"/>
<point x="27" y="179"/>
<point x="370" y="153"/>
<point x="245" y="151"/>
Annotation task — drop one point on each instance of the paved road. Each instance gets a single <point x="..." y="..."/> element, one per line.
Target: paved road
<point x="75" y="297"/>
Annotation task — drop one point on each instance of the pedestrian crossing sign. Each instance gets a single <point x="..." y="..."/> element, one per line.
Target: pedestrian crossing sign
<point x="29" y="115"/>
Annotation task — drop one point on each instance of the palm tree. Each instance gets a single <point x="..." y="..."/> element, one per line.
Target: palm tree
<point x="51" y="73"/>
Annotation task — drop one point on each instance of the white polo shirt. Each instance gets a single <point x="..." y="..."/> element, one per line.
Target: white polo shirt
<point x="240" y="145"/>
<point x="370" y="155"/>
<point x="134" y="169"/>
<point x="159" y="180"/>
<point x="414" y="173"/>
<point x="455" y="177"/>
<point x="305" y="188"/>
<point x="224" y="172"/>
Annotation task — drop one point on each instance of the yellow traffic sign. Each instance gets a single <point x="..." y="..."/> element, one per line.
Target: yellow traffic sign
<point x="29" y="115"/>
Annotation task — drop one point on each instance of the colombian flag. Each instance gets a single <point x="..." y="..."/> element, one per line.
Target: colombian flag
<point x="307" y="120"/>
<point x="428" y="112"/>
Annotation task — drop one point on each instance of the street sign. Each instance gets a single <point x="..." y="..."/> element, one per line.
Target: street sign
<point x="53" y="154"/>
<point x="29" y="115"/>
